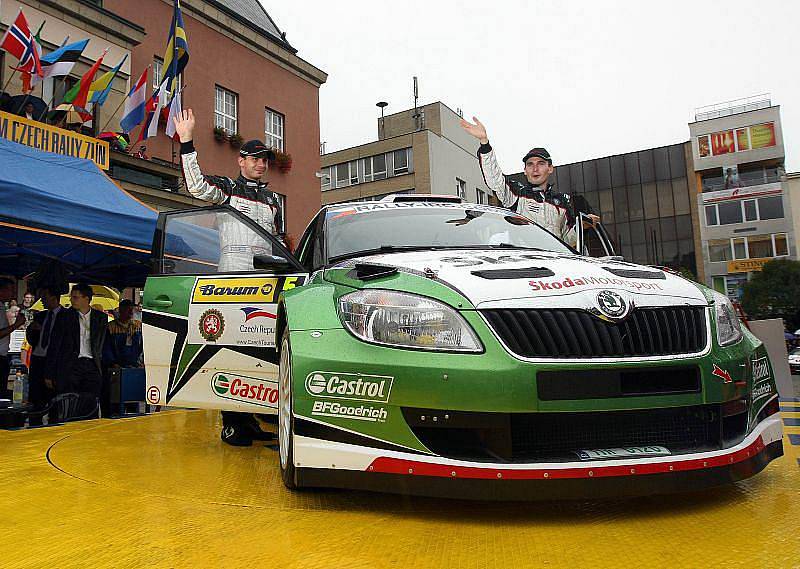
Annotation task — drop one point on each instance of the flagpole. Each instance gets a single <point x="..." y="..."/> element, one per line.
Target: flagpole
<point x="114" y="113"/>
<point x="53" y="98"/>
<point x="10" y="77"/>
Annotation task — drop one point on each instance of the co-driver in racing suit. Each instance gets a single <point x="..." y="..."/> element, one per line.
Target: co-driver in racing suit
<point x="537" y="200"/>
<point x="238" y="244"/>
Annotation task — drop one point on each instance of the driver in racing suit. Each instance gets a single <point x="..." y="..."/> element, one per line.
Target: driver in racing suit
<point x="537" y="199"/>
<point x="238" y="244"/>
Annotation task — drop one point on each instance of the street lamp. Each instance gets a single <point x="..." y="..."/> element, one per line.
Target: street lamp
<point x="382" y="105"/>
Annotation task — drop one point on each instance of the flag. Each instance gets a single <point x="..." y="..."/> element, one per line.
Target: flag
<point x="61" y="61"/>
<point x="19" y="42"/>
<point x="79" y="95"/>
<point x="27" y="84"/>
<point x="154" y="106"/>
<point x="176" y="55"/>
<point x="101" y="87"/>
<point x="175" y="109"/>
<point x="135" y="104"/>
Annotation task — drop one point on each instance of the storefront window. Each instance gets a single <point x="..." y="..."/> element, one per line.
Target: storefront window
<point x="771" y="207"/>
<point x="781" y="246"/>
<point x="759" y="246"/>
<point x="711" y="215"/>
<point x="739" y="248"/>
<point x="719" y="250"/>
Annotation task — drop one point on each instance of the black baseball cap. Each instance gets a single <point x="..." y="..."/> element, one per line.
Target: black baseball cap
<point x="256" y="148"/>
<point x="539" y="153"/>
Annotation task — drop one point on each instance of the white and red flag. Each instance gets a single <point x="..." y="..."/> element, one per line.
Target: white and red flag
<point x="19" y="42"/>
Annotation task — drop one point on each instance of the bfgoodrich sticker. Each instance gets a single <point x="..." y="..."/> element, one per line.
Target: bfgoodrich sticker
<point x="344" y="411"/>
<point x="352" y="386"/>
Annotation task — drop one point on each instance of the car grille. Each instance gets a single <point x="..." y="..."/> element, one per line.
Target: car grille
<point x="549" y="437"/>
<point x="575" y="333"/>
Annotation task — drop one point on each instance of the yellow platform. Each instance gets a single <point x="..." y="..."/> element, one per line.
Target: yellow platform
<point x="163" y="491"/>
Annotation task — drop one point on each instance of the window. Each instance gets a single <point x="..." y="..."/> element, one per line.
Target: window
<point x="342" y="175"/>
<point x="461" y="188"/>
<point x="158" y="65"/>
<point x="379" y="167"/>
<point x="781" y="246"/>
<point x="771" y="207"/>
<point x="750" y="212"/>
<point x="353" y="171"/>
<point x="739" y="247"/>
<point x="711" y="215"/>
<point x="401" y="161"/>
<point x="730" y="212"/>
<point x="158" y="73"/>
<point x="326" y="179"/>
<point x="366" y="166"/>
<point x="480" y="197"/>
<point x="759" y="246"/>
<point x="226" y="110"/>
<point x="273" y="129"/>
<point x="719" y="250"/>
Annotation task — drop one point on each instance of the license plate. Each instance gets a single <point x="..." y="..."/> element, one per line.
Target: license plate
<point x="626" y="452"/>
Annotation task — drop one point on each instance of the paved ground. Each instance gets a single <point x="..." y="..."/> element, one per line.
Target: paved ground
<point x="162" y="491"/>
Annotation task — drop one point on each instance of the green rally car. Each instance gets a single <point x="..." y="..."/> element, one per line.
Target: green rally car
<point x="457" y="349"/>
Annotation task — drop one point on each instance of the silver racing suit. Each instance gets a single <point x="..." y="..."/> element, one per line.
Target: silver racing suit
<point x="553" y="211"/>
<point x="238" y="243"/>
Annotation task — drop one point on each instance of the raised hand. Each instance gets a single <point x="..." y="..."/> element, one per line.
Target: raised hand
<point x="184" y="125"/>
<point x="477" y="130"/>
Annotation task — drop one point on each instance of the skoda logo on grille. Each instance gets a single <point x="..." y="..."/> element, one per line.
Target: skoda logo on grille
<point x="611" y="304"/>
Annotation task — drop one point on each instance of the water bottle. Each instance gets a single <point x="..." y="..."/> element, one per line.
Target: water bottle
<point x="18" y="388"/>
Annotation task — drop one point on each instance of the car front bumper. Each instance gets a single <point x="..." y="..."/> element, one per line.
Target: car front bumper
<point x="336" y="464"/>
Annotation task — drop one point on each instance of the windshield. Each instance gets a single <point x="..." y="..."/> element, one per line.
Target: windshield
<point x="366" y="228"/>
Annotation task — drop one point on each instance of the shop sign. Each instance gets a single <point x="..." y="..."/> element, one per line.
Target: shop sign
<point x="50" y="138"/>
<point x="747" y="265"/>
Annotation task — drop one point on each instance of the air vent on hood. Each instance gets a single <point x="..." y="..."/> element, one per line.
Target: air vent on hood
<point x="636" y="273"/>
<point x="528" y="273"/>
<point x="368" y="271"/>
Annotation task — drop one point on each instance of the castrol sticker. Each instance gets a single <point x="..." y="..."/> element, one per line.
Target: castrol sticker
<point x="245" y="389"/>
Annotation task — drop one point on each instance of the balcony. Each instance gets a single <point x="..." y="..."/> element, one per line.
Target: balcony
<point x="733" y="107"/>
<point x="743" y="180"/>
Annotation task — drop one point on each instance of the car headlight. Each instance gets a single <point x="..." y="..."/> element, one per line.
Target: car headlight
<point x="406" y="320"/>
<point x="729" y="330"/>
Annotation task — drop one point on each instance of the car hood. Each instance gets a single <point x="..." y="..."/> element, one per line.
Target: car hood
<point x="525" y="278"/>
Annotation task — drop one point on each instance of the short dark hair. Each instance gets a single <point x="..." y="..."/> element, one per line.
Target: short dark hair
<point x="48" y="290"/>
<point x="84" y="290"/>
<point x="125" y="303"/>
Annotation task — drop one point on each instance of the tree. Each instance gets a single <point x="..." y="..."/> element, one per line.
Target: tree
<point x="775" y="293"/>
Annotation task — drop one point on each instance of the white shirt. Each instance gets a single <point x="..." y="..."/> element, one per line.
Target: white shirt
<point x="49" y="321"/>
<point x="85" y="322"/>
<point x="4" y="342"/>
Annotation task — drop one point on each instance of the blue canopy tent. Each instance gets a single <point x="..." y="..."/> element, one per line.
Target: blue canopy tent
<point x="66" y="209"/>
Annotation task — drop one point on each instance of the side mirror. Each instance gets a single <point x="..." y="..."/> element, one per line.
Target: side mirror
<point x="271" y="262"/>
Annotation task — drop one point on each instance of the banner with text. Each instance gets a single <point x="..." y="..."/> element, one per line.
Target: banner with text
<point x="53" y="139"/>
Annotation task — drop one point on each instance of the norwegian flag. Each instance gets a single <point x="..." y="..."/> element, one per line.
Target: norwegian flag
<point x="19" y="42"/>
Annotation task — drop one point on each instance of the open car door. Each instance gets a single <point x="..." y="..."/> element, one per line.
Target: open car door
<point x="592" y="238"/>
<point x="210" y="311"/>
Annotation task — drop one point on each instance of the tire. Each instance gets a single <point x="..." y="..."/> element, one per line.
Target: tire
<point x="285" y="418"/>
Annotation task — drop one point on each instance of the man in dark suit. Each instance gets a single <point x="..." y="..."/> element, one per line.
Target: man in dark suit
<point x="39" y="334"/>
<point x="74" y="357"/>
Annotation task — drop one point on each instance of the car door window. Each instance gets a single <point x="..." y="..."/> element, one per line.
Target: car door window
<point x="216" y="240"/>
<point x="595" y="241"/>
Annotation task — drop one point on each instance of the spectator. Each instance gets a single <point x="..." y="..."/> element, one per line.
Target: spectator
<point x="12" y="310"/>
<point x="27" y="307"/>
<point x="39" y="334"/>
<point x="75" y="363"/>
<point x="5" y="101"/>
<point x="732" y="180"/>
<point x="123" y="346"/>
<point x="28" y="111"/>
<point x="7" y="293"/>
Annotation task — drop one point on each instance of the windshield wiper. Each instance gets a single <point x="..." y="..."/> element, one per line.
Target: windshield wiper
<point x="502" y="246"/>
<point x="386" y="249"/>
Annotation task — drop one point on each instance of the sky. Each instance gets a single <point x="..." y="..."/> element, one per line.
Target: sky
<point x="582" y="78"/>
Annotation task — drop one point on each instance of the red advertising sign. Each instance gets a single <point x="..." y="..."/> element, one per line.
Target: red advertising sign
<point x="722" y="143"/>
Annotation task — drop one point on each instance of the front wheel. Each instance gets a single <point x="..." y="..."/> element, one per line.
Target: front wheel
<point x="285" y="420"/>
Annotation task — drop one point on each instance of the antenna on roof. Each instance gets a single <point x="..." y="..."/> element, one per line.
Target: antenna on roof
<point x="417" y="116"/>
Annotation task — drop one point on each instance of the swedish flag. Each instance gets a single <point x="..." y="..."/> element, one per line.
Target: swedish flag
<point x="176" y="55"/>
